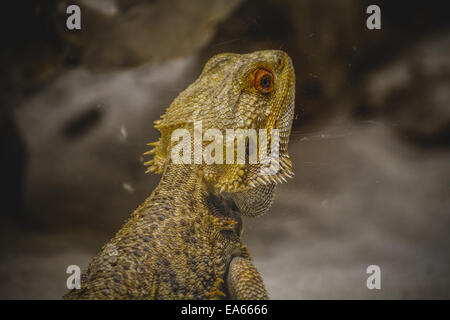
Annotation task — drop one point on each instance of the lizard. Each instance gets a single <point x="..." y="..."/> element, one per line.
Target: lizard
<point x="184" y="240"/>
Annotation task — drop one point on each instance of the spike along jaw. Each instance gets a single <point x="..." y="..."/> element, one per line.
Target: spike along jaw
<point x="195" y="103"/>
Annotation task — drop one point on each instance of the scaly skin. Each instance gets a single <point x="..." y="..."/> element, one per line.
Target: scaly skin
<point x="184" y="241"/>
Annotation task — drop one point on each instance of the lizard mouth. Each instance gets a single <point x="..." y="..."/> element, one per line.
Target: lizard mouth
<point x="282" y="122"/>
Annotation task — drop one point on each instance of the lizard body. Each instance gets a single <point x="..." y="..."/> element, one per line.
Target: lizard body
<point x="184" y="241"/>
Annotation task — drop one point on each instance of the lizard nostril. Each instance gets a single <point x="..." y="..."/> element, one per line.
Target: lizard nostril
<point x="279" y="61"/>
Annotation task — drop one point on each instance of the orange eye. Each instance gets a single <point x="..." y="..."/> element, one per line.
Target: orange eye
<point x="263" y="80"/>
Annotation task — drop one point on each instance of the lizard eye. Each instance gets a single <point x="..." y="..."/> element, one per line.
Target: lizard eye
<point x="263" y="80"/>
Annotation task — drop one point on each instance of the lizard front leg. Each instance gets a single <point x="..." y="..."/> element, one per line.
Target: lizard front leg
<point x="244" y="281"/>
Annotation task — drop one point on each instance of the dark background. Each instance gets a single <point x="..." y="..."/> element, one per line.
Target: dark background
<point x="370" y="144"/>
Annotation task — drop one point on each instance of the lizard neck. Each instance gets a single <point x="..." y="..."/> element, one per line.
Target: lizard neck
<point x="185" y="178"/>
<point x="183" y="187"/>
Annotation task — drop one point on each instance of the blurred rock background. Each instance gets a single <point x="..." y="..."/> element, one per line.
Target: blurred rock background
<point x="370" y="144"/>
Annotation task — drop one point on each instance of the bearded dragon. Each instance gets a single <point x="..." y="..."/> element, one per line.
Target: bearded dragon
<point x="184" y="241"/>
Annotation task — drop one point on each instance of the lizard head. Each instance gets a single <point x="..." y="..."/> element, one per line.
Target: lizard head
<point x="251" y="95"/>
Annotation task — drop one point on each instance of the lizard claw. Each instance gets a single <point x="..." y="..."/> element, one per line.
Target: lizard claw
<point x="217" y="292"/>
